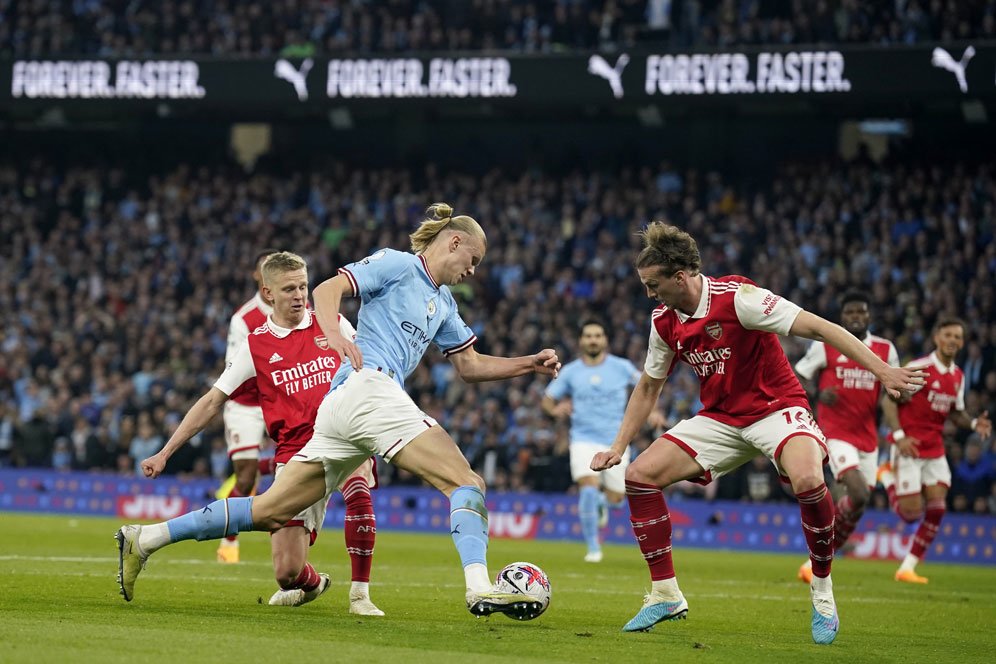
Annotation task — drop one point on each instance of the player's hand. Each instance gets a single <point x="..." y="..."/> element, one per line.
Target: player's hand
<point x="563" y="410"/>
<point x="605" y="460"/>
<point x="983" y="425"/>
<point x="908" y="446"/>
<point x="153" y="466"/>
<point x="901" y="382"/>
<point x="546" y="362"/>
<point x="828" y="396"/>
<point x="346" y="348"/>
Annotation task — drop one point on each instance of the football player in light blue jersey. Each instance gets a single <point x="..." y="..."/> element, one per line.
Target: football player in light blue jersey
<point x="593" y="391"/>
<point x="405" y="305"/>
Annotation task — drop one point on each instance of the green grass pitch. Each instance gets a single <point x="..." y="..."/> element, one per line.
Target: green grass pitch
<point x="59" y="603"/>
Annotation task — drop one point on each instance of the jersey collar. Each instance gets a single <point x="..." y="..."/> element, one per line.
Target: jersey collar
<point x="281" y="332"/>
<point x="940" y="365"/>
<point x="262" y="304"/>
<point x="425" y="266"/>
<point x="703" y="308"/>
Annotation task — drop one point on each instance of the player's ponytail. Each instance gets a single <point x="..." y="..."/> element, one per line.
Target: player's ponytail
<point x="439" y="216"/>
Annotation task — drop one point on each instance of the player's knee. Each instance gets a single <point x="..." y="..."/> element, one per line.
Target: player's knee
<point x="286" y="572"/>
<point x="806" y="481"/>
<point x="909" y="514"/>
<point x="636" y="473"/>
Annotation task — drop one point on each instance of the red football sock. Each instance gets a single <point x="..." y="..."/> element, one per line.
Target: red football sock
<point x="307" y="580"/>
<point x="845" y="520"/>
<point x="816" y="509"/>
<point x="652" y="527"/>
<point x="360" y="527"/>
<point x="927" y="531"/>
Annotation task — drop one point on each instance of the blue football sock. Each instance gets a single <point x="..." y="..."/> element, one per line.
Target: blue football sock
<point x="589" y="499"/>
<point x="469" y="524"/>
<point x="219" y="519"/>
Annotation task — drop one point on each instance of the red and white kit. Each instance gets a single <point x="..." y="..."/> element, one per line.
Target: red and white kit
<point x="850" y="423"/>
<point x="244" y="424"/>
<point x="292" y="370"/>
<point x="751" y="399"/>
<point x="923" y="417"/>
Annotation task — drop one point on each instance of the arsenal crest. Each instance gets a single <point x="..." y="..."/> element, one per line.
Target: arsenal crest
<point x="715" y="330"/>
<point x="322" y="342"/>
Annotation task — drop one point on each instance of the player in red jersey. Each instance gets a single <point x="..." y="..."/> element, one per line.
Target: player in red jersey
<point x="752" y="403"/>
<point x="289" y="359"/>
<point x="245" y="429"/>
<point x="917" y="471"/>
<point x="848" y="396"/>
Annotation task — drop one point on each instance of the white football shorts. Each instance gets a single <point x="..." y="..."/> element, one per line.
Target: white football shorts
<point x="613" y="479"/>
<point x="244" y="430"/>
<point x="721" y="448"/>
<point x="844" y="457"/>
<point x="367" y="414"/>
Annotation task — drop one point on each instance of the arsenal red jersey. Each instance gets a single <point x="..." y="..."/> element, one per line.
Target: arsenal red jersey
<point x="293" y="370"/>
<point x="924" y="414"/>
<point x="247" y="318"/>
<point x="731" y="344"/>
<point x="853" y="417"/>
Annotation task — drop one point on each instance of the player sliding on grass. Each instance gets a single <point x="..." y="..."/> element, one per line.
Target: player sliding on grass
<point x="290" y="368"/>
<point x="752" y="403"/>
<point x="404" y="306"/>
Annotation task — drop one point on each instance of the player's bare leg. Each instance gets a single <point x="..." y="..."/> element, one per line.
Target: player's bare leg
<point x="435" y="458"/>
<point x="936" y="501"/>
<point x="661" y="465"/>
<point x="299" y="485"/>
<point x="299" y="582"/>
<point x="801" y="460"/>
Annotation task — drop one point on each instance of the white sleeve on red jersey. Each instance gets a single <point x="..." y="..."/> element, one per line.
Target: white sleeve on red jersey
<point x="813" y="361"/>
<point x="893" y="359"/>
<point x="238" y="332"/>
<point x="760" y="309"/>
<point x="239" y="369"/>
<point x="346" y="328"/>
<point x="659" y="356"/>
<point x="960" y="399"/>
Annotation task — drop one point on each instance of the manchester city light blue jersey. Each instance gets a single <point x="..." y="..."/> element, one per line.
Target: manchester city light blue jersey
<point x="402" y="309"/>
<point x="598" y="395"/>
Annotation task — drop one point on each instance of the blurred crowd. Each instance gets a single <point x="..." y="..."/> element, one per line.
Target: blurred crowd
<point x="300" y="28"/>
<point x="117" y="284"/>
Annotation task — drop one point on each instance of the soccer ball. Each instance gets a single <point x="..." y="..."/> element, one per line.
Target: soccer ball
<point x="525" y="579"/>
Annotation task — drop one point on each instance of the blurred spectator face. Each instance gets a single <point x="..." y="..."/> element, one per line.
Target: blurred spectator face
<point x="855" y="318"/>
<point x="973" y="452"/>
<point x="959" y="503"/>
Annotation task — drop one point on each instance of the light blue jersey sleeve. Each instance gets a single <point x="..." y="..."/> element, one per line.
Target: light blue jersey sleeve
<point x="372" y="273"/>
<point x="454" y="335"/>
<point x="560" y="387"/>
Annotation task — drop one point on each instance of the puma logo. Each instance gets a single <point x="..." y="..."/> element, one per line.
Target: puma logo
<point x="943" y="60"/>
<point x="296" y="77"/>
<point x="598" y="66"/>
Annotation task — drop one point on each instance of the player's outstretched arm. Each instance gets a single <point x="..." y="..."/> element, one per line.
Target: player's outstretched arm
<point x="328" y="297"/>
<point x="476" y="368"/>
<point x="895" y="380"/>
<point x="193" y="423"/>
<point x="981" y="424"/>
<point x="641" y="402"/>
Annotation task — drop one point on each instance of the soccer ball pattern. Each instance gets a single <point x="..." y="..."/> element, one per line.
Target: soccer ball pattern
<point x="525" y="579"/>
